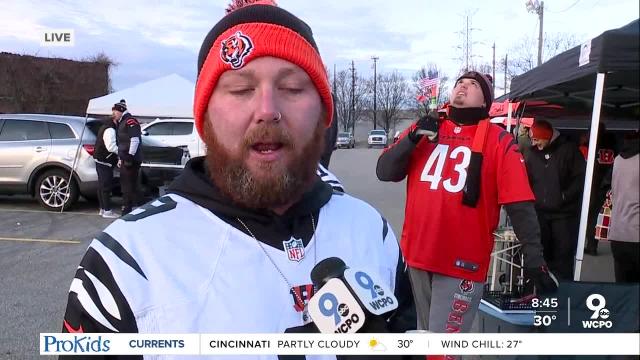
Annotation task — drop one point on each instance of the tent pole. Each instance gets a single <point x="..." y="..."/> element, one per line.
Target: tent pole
<point x="586" y="194"/>
<point x="509" y="117"/>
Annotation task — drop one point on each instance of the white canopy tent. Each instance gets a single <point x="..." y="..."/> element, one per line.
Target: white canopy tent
<point x="169" y="97"/>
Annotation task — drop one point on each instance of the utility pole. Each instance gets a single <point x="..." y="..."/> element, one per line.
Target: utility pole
<point x="536" y="7"/>
<point x="375" y="93"/>
<point x="505" y="72"/>
<point x="494" y="68"/>
<point x="334" y="79"/>
<point x="353" y="98"/>
<point x="467" y="46"/>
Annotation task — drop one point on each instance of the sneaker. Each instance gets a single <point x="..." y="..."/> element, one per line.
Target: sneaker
<point x="108" y="214"/>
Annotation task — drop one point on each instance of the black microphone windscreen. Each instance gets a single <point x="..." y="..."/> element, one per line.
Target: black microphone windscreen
<point x="326" y="269"/>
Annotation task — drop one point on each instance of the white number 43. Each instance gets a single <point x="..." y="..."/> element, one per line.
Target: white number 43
<point x="461" y="155"/>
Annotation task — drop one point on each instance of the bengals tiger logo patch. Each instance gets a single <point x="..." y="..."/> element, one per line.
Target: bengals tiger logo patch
<point x="234" y="49"/>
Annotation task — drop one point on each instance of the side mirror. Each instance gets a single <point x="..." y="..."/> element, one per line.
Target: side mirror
<point x="145" y="133"/>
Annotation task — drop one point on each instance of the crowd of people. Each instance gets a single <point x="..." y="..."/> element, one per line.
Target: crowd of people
<point x="231" y="247"/>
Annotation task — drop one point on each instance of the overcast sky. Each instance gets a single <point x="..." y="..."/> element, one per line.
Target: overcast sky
<point x="148" y="40"/>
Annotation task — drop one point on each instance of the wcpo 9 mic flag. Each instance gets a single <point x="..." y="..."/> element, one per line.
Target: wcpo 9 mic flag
<point x="334" y="310"/>
<point x="375" y="296"/>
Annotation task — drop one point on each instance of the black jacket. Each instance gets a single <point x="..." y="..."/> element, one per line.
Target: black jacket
<point x="556" y="175"/>
<point x="128" y="127"/>
<point x="100" y="152"/>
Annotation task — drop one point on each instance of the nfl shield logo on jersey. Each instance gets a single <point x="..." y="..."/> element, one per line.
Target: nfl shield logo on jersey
<point x="294" y="249"/>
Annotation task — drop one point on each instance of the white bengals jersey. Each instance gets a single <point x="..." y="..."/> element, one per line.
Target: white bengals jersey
<point x="174" y="267"/>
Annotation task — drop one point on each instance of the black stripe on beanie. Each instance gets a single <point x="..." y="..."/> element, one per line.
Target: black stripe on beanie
<point x="258" y="13"/>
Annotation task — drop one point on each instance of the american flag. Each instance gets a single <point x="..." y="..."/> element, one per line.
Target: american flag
<point x="427" y="83"/>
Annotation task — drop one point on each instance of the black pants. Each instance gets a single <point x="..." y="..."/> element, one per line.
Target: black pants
<point x="105" y="183"/>
<point x="626" y="261"/>
<point x="129" y="185"/>
<point x="559" y="237"/>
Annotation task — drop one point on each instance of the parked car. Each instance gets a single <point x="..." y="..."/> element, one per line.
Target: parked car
<point x="176" y="132"/>
<point x="377" y="138"/>
<point x="346" y="140"/>
<point x="37" y="153"/>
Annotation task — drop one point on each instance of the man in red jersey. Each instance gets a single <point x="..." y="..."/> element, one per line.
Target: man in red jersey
<point x="459" y="172"/>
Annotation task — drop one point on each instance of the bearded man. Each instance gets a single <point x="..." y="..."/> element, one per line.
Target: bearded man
<point x="230" y="249"/>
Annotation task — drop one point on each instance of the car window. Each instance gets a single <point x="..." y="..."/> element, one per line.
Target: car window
<point x="61" y="131"/>
<point x="21" y="130"/>
<point x="344" y="135"/>
<point x="182" y="128"/>
<point x="165" y="128"/>
<point x="378" y="132"/>
<point x="94" y="126"/>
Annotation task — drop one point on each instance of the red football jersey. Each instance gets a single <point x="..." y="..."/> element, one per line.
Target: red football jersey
<point x="442" y="235"/>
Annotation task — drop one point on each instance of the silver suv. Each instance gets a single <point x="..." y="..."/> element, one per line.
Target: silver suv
<point x="37" y="153"/>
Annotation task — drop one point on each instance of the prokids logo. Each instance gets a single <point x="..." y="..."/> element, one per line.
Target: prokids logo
<point x="334" y="310"/>
<point x="600" y="316"/>
<point x="373" y="295"/>
<point x="75" y="344"/>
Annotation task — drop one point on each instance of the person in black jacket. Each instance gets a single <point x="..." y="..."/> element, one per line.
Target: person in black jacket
<point x="556" y="170"/>
<point x="105" y="156"/>
<point x="128" y="135"/>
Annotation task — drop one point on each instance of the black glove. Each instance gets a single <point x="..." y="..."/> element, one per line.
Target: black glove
<point x="426" y="125"/>
<point x="543" y="278"/>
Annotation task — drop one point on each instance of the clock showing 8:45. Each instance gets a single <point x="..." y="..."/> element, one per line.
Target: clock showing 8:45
<point x="549" y="303"/>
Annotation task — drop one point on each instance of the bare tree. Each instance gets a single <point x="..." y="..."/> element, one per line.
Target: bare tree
<point x="393" y="93"/>
<point x="430" y="71"/>
<point x="343" y="86"/>
<point x="523" y="55"/>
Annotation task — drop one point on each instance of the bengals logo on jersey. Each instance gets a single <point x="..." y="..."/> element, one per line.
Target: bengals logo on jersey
<point x="606" y="156"/>
<point x="234" y="49"/>
<point x="466" y="286"/>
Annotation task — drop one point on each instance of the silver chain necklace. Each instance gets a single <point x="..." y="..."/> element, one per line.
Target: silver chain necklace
<point x="313" y="238"/>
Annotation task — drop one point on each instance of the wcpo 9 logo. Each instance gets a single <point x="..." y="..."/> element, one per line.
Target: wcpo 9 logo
<point x="334" y="310"/>
<point x="374" y="296"/>
<point x="600" y="315"/>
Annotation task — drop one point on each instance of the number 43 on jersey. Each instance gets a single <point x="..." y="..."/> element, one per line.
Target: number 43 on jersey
<point x="432" y="172"/>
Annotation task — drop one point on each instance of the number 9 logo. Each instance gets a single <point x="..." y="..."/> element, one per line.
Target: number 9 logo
<point x="329" y="306"/>
<point x="596" y="308"/>
<point x="365" y="281"/>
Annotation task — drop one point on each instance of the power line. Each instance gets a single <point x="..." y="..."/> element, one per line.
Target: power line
<point x="567" y="9"/>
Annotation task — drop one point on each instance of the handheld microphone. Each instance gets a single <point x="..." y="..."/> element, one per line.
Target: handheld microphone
<point x="348" y="300"/>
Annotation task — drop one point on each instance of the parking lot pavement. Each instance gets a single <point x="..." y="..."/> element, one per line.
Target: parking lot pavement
<point x="40" y="250"/>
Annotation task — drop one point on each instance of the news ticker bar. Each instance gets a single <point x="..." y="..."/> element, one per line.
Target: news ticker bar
<point x="340" y="344"/>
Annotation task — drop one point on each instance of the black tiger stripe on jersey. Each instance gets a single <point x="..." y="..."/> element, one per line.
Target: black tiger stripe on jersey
<point x="120" y="252"/>
<point x="78" y="316"/>
<point x="385" y="228"/>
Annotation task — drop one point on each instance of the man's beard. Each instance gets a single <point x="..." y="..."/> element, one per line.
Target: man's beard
<point x="279" y="182"/>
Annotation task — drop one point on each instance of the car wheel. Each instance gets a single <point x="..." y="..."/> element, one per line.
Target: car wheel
<point x="53" y="190"/>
